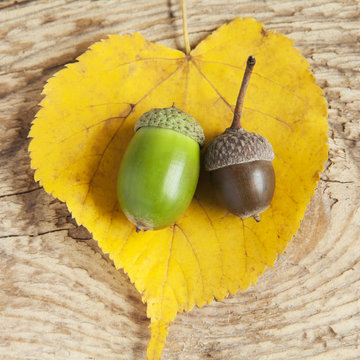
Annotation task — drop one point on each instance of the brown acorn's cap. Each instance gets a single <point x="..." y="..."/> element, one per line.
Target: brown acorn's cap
<point x="236" y="146"/>
<point x="175" y="119"/>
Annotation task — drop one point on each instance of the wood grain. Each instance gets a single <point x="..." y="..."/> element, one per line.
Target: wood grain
<point x="61" y="298"/>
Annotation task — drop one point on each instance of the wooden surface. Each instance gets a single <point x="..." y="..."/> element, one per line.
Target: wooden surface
<point x="61" y="298"/>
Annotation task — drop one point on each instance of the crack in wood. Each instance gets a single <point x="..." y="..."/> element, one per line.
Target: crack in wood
<point x="20" y="193"/>
<point x="33" y="235"/>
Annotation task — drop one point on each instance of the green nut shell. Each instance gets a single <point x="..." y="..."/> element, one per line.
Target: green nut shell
<point x="175" y="119"/>
<point x="160" y="168"/>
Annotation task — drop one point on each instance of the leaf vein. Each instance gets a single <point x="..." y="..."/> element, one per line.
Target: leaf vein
<point x="213" y="87"/>
<point x="231" y="107"/>
<point x="186" y="282"/>
<point x="167" y="269"/>
<point x="87" y="128"/>
<point x="143" y="250"/>
<point x="216" y="236"/>
<point x="257" y="241"/>
<point x="254" y="73"/>
<point x="117" y="131"/>
<point x="195" y="256"/>
<point x="153" y="59"/>
<point x="282" y="122"/>
<point x="131" y="230"/>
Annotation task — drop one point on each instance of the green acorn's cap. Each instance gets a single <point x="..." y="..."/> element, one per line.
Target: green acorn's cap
<point x="174" y="119"/>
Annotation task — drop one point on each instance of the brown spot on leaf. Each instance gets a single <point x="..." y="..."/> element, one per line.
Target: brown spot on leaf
<point x="264" y="32"/>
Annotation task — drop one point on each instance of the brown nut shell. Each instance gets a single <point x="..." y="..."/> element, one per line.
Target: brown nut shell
<point x="245" y="189"/>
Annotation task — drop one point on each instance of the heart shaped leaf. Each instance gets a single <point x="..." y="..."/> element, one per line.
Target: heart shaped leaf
<point x="86" y="121"/>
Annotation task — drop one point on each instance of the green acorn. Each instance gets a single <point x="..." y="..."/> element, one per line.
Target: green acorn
<point x="160" y="169"/>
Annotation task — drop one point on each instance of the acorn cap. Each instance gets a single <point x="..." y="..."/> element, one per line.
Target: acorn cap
<point x="237" y="146"/>
<point x="174" y="119"/>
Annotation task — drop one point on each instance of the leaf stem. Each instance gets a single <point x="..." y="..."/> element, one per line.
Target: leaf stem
<point x="236" y="124"/>
<point x="185" y="29"/>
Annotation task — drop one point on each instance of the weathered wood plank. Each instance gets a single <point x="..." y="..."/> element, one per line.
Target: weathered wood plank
<point x="61" y="298"/>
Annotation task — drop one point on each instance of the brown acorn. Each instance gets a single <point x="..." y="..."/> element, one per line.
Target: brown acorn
<point x="240" y="164"/>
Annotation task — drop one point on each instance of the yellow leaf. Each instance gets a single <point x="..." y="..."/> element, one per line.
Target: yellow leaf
<point x="87" y="119"/>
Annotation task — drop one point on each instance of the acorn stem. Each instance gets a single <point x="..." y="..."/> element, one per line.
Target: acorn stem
<point x="185" y="29"/>
<point x="236" y="124"/>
